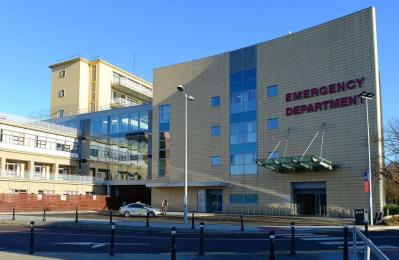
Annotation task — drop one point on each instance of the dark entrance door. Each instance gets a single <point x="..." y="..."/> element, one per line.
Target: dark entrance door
<point x="306" y="204"/>
<point x="214" y="200"/>
<point x="310" y="198"/>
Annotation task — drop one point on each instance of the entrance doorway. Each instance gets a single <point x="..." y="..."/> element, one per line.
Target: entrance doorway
<point x="310" y="198"/>
<point x="214" y="200"/>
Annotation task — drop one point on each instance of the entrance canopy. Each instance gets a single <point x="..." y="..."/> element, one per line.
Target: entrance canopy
<point x="296" y="163"/>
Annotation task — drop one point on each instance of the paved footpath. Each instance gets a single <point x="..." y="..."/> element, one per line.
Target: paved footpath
<point x="185" y="256"/>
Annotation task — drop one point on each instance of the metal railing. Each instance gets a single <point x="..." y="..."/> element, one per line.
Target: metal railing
<point x="368" y="247"/>
<point x="132" y="85"/>
<point x="51" y="177"/>
<point x="124" y="102"/>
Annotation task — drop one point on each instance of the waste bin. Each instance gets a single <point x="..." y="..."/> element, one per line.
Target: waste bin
<point x="359" y="216"/>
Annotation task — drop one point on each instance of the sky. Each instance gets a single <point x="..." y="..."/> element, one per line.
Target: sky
<point x="35" y="34"/>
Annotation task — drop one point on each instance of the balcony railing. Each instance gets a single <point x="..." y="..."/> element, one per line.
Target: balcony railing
<point x="123" y="102"/>
<point x="132" y="85"/>
<point x="51" y="177"/>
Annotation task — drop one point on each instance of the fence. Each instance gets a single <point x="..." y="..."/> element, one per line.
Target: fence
<point x="37" y="202"/>
<point x="289" y="210"/>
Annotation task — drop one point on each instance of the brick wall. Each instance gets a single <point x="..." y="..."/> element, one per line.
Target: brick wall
<point x="32" y="202"/>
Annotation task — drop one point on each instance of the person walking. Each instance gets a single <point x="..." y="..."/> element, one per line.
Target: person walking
<point x="163" y="204"/>
<point x="166" y="207"/>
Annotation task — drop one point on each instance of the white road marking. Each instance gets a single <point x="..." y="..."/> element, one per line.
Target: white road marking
<point x="96" y="245"/>
<point x="321" y="238"/>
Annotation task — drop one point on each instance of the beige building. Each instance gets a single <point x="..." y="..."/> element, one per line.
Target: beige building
<point x="277" y="126"/>
<point x="81" y="86"/>
<point x="41" y="158"/>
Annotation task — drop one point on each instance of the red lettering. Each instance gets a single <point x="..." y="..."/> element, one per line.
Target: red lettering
<point x="288" y="97"/>
<point x="310" y="108"/>
<point x="325" y="104"/>
<point x="331" y="88"/>
<point x="323" y="90"/>
<point x="317" y="106"/>
<point x="334" y="103"/>
<point x="344" y="101"/>
<point x="304" y="108"/>
<point x="314" y="92"/>
<point x="288" y="111"/>
<point x="352" y="100"/>
<point x="351" y="84"/>
<point x="297" y="110"/>
<point x="341" y="86"/>
<point x="360" y="81"/>
<point x="306" y="93"/>
<point x="297" y="95"/>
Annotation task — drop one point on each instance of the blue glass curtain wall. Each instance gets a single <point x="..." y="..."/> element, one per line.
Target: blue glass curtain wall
<point x="243" y="112"/>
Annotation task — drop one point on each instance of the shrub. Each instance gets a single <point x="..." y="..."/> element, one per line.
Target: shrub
<point x="393" y="209"/>
<point x="394" y="221"/>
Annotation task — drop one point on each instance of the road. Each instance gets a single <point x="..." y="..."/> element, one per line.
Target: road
<point x="16" y="238"/>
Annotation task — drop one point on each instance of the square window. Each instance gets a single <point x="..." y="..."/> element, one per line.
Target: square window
<point x="215" y="130"/>
<point x="62" y="74"/>
<point x="272" y="123"/>
<point x="215" y="101"/>
<point x="215" y="160"/>
<point x="61" y="93"/>
<point x="272" y="91"/>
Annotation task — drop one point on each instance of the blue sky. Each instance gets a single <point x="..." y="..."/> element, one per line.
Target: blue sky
<point x="35" y="34"/>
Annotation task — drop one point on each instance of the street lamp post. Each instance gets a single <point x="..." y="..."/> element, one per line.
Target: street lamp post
<point x="191" y="98"/>
<point x="368" y="96"/>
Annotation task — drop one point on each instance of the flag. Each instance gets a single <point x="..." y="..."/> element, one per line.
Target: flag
<point x="366" y="182"/>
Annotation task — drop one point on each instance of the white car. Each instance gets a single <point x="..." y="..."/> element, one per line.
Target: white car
<point x="139" y="209"/>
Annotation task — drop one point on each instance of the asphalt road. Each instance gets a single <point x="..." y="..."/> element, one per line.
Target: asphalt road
<point x="16" y="238"/>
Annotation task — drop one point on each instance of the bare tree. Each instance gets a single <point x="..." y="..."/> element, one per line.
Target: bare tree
<point x="390" y="171"/>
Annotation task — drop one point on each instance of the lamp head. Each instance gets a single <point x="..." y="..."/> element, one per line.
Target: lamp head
<point x="191" y="98"/>
<point x="180" y="88"/>
<point x="366" y="95"/>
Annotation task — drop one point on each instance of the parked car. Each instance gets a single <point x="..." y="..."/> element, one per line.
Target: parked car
<point x="139" y="209"/>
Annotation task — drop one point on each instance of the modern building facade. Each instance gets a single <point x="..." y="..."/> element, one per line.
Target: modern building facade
<point x="279" y="124"/>
<point x="41" y="158"/>
<point x="275" y="128"/>
<point x="81" y="86"/>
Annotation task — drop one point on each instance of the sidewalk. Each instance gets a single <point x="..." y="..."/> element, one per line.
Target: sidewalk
<point x="186" y="256"/>
<point x="164" y="227"/>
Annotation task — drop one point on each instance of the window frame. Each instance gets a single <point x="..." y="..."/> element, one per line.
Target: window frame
<point x="215" y="131"/>
<point x="219" y="162"/>
<point x="269" y="122"/>
<point x="271" y="87"/>
<point x="215" y="101"/>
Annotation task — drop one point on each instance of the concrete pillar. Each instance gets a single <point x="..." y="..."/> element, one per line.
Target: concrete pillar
<point x="3" y="166"/>
<point x="56" y="168"/>
<point x="31" y="169"/>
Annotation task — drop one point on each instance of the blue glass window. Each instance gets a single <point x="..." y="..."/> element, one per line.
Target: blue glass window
<point x="244" y="163"/>
<point x="272" y="91"/>
<point x="244" y="198"/>
<point x="114" y="124"/>
<point x="272" y="123"/>
<point x="215" y="160"/>
<point x="243" y="132"/>
<point x="164" y="114"/>
<point x="215" y="130"/>
<point x="143" y="120"/>
<point x="124" y="123"/>
<point x="215" y="101"/>
<point x="134" y="121"/>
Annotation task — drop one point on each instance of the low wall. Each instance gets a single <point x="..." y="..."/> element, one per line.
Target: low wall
<point x="35" y="202"/>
